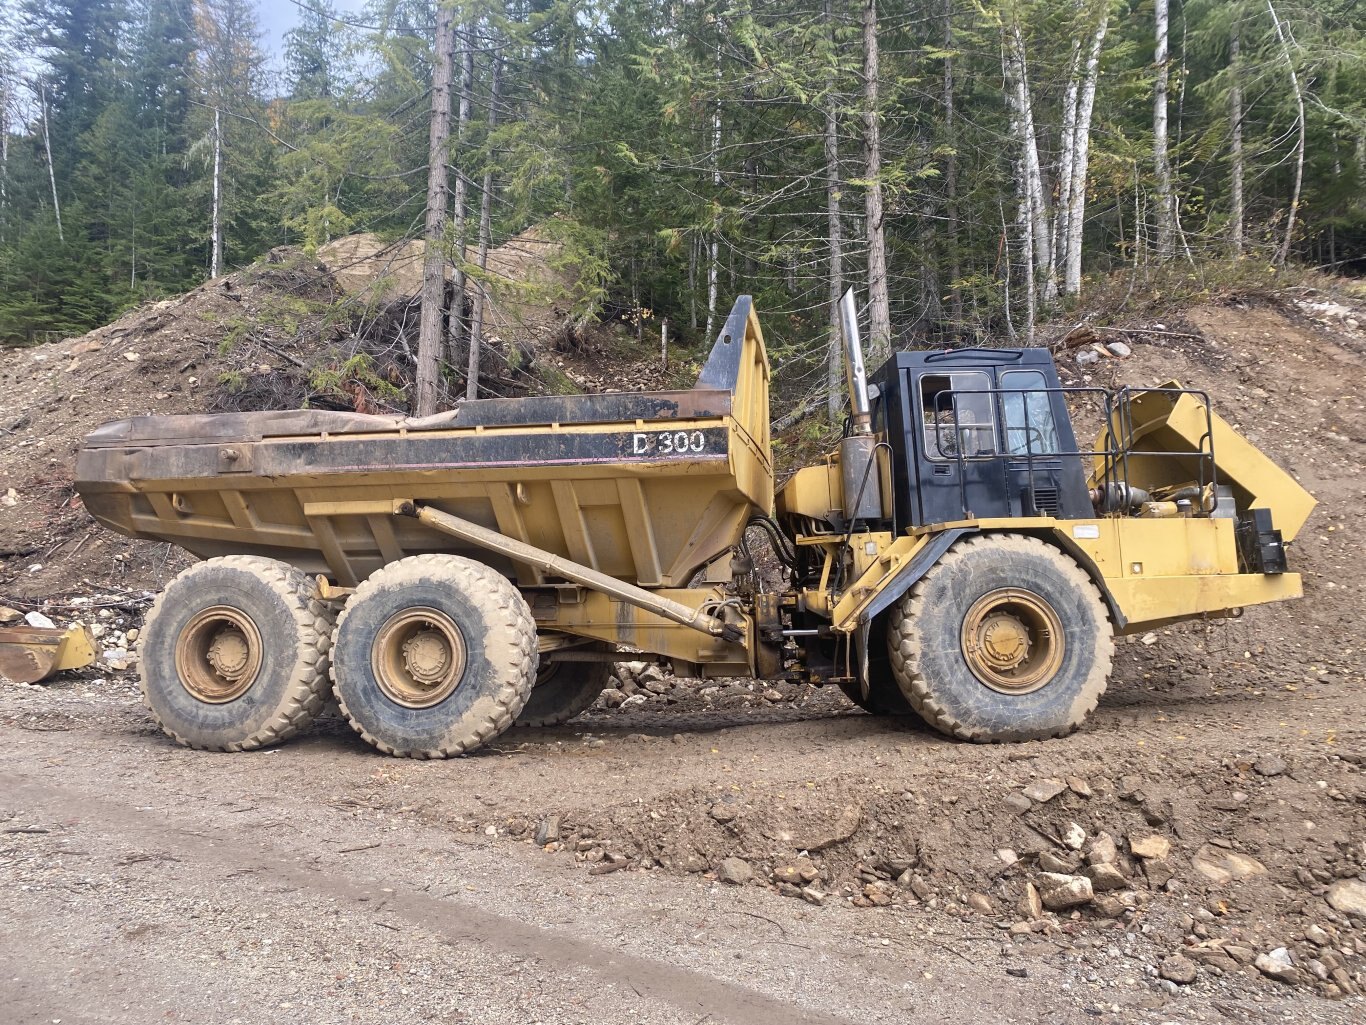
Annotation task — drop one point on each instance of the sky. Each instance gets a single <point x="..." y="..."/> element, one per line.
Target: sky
<point x="279" y="16"/>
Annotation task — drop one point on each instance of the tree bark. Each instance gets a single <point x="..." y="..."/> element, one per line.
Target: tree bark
<point x="429" y="335"/>
<point x="835" y="232"/>
<point x="485" y="226"/>
<point x="713" y="248"/>
<point x="1284" y="250"/>
<point x="951" y="180"/>
<point x="1067" y="154"/>
<point x="1235" y="103"/>
<point x="455" y="322"/>
<point x="880" y="318"/>
<point x="51" y="173"/>
<point x="216" y="257"/>
<point x="1081" y="158"/>
<point x="1166" y="214"/>
<point x="4" y="159"/>
<point x="1033" y="202"/>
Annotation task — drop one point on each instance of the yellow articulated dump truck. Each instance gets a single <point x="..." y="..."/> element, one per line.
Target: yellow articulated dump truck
<point x="958" y="556"/>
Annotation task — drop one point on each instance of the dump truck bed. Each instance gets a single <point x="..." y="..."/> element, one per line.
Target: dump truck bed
<point x="647" y="487"/>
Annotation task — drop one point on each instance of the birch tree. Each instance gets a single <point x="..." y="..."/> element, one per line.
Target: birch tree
<point x="1075" y="193"/>
<point x="1281" y="38"/>
<point x="1166" y="209"/>
<point x="1235" y="153"/>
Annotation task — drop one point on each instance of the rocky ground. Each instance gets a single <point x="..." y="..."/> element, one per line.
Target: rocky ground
<point x="733" y="851"/>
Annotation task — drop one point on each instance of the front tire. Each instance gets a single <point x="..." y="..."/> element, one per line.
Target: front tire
<point x="234" y="654"/>
<point x="1004" y="639"/>
<point x="433" y="656"/>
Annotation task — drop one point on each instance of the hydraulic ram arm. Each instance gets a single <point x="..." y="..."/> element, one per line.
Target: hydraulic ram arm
<point x="555" y="565"/>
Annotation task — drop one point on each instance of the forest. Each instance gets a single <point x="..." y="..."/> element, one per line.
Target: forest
<point x="972" y="167"/>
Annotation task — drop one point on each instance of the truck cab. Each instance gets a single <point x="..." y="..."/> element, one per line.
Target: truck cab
<point x="975" y="434"/>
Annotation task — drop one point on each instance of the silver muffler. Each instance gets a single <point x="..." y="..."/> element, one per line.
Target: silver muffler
<point x="859" y="474"/>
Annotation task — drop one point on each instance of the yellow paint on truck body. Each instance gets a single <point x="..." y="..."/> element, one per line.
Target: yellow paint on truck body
<point x="1156" y="571"/>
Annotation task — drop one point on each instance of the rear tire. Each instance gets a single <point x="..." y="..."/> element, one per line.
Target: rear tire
<point x="433" y="656"/>
<point x="884" y="698"/>
<point x="1005" y="638"/>
<point x="564" y="690"/>
<point x="234" y="654"/>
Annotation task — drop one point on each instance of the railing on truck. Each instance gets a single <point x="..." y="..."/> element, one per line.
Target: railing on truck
<point x="957" y="436"/>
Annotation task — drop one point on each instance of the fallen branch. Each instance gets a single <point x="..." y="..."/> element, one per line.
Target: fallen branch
<point x="363" y="847"/>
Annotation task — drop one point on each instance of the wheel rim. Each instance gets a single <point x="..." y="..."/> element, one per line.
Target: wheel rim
<point x="1013" y="641"/>
<point x="418" y="657"/>
<point x="218" y="655"/>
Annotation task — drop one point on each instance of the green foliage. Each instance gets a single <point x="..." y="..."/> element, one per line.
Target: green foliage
<point x="640" y="137"/>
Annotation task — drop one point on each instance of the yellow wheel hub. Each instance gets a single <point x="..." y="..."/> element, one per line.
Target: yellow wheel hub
<point x="1013" y="640"/>
<point x="418" y="657"/>
<point x="218" y="654"/>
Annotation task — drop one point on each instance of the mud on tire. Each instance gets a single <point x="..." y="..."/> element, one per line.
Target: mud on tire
<point x="433" y="656"/>
<point x="1061" y="635"/>
<point x="234" y="654"/>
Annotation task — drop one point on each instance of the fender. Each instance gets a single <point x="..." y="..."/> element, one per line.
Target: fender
<point x="910" y="573"/>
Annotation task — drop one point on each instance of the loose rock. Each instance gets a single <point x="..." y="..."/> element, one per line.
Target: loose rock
<point x="1044" y="790"/>
<point x="1059" y="892"/>
<point x="1277" y="965"/>
<point x="1348" y="896"/>
<point x="1179" y="969"/>
<point x="735" y="871"/>
<point x="1105" y="877"/>
<point x="1150" y="846"/>
<point x="1269" y="765"/>
<point x="548" y="830"/>
<point x="1102" y="850"/>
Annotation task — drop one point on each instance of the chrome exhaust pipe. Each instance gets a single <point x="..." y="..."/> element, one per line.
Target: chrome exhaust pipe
<point x="855" y="374"/>
<point x="860" y="476"/>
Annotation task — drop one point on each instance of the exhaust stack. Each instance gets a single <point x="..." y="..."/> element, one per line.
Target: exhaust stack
<point x="859" y="472"/>
<point x="853" y="365"/>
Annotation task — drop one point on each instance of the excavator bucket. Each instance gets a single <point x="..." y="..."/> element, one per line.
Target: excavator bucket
<point x="29" y="653"/>
<point x="1171" y="434"/>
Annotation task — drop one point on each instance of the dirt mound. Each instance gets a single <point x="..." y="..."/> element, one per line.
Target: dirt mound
<point x="247" y="330"/>
<point x="530" y="291"/>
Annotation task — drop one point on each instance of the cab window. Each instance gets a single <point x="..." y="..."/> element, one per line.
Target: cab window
<point x="1027" y="409"/>
<point x="956" y="415"/>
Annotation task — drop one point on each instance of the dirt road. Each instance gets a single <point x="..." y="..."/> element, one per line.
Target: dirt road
<point x="322" y="883"/>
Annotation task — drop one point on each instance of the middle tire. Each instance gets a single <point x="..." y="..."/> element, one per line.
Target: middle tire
<point x="564" y="690"/>
<point x="433" y="656"/>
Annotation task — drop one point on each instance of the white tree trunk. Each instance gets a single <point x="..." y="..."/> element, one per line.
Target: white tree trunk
<point x="1033" y="201"/>
<point x="1075" y="197"/>
<point x="429" y="336"/>
<point x="1235" y="103"/>
<point x="51" y="172"/>
<point x="664" y="343"/>
<point x="4" y="158"/>
<point x="1284" y="250"/>
<point x="1067" y="153"/>
<point x="216" y="257"/>
<point x="834" y="376"/>
<point x="879" y="307"/>
<point x="485" y="227"/>
<point x="455" y="322"/>
<point x="1166" y="214"/>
